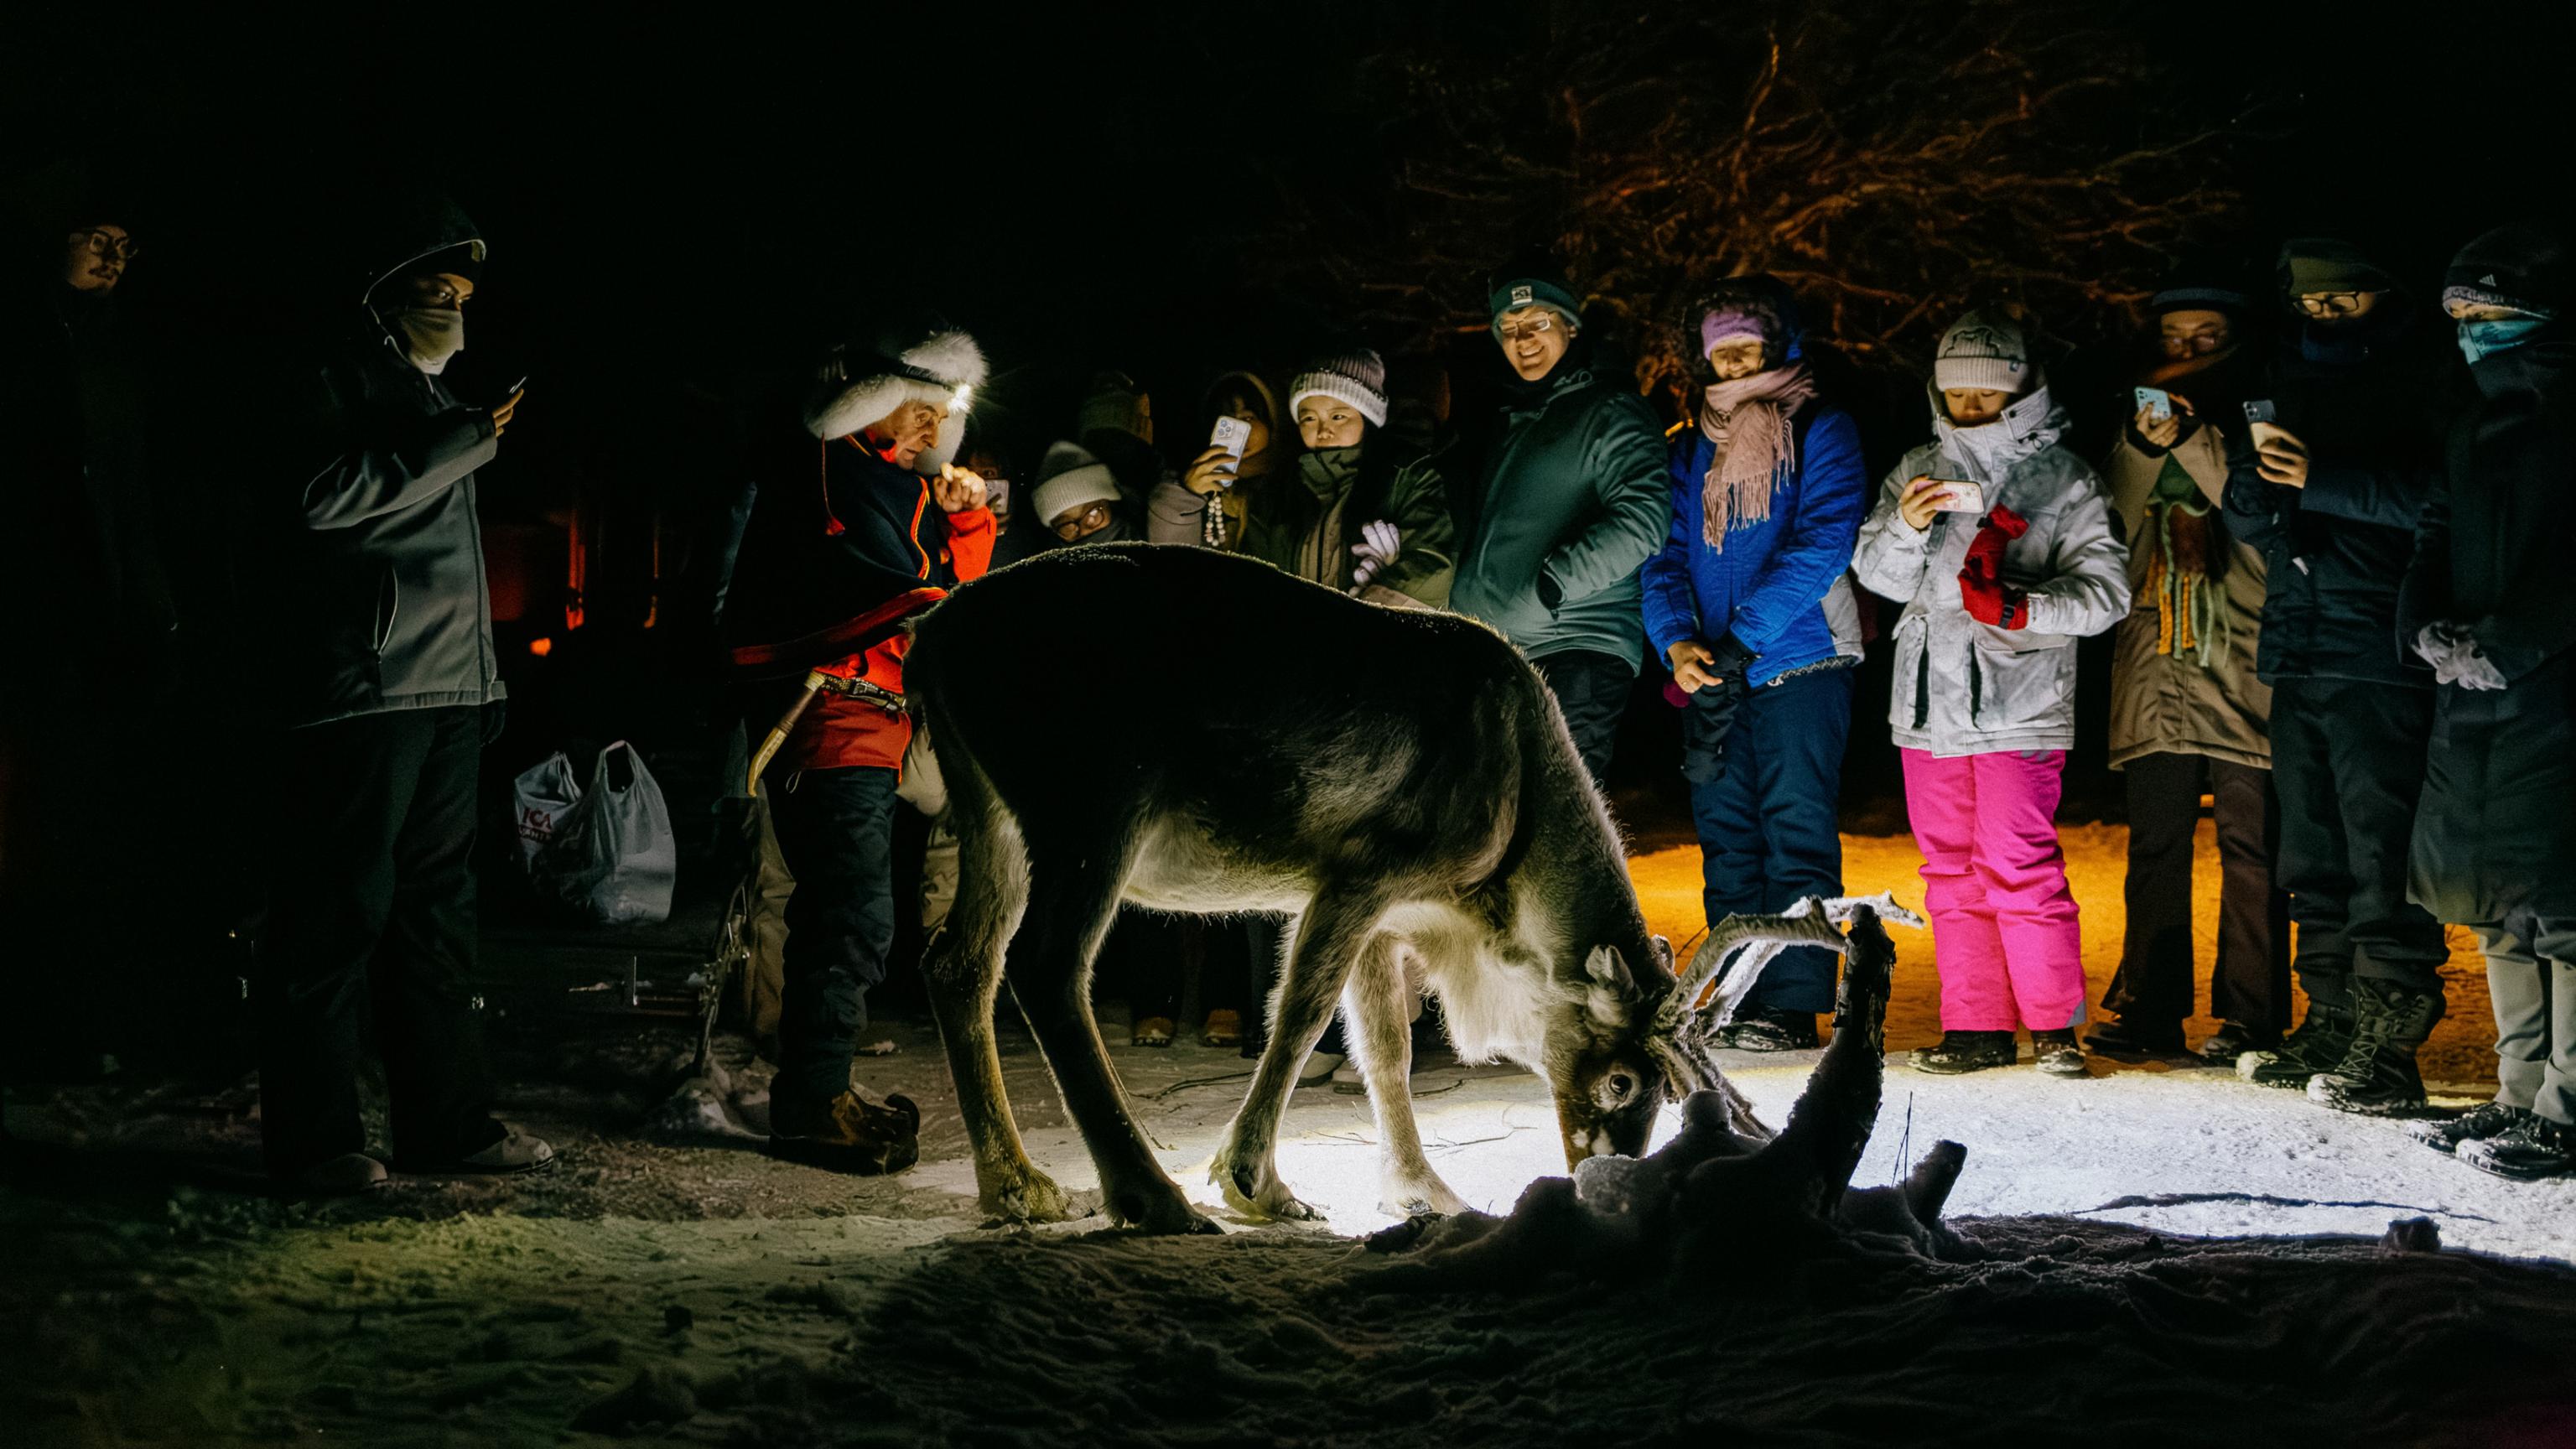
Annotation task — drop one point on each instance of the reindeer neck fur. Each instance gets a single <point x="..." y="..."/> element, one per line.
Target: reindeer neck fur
<point x="1531" y="996"/>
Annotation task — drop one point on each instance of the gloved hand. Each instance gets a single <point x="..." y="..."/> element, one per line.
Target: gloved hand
<point x="496" y="718"/>
<point x="2456" y="659"/>
<point x="1379" y="546"/>
<point x="1982" y="589"/>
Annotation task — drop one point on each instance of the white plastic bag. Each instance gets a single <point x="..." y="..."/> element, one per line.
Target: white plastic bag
<point x="614" y="858"/>
<point x="539" y="799"/>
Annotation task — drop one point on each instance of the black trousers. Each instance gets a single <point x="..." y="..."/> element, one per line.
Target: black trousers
<point x="1591" y="690"/>
<point x="372" y="915"/>
<point x="2348" y="759"/>
<point x="836" y="831"/>
<point x="2250" y="984"/>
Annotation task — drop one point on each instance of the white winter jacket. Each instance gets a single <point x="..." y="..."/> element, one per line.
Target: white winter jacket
<point x="1966" y="688"/>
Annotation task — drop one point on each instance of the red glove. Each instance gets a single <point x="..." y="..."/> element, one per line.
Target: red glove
<point x="1981" y="578"/>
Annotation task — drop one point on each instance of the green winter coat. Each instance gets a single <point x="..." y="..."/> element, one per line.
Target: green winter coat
<point x="1306" y="519"/>
<point x="1574" y="502"/>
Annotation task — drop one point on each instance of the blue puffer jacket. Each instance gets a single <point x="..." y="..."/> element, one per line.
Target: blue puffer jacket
<point x="1779" y="586"/>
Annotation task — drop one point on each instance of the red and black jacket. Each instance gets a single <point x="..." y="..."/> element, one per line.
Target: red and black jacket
<point x="841" y="548"/>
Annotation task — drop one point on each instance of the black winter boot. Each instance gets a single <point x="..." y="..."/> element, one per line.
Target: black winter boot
<point x="2233" y="1040"/>
<point x="2056" y="1054"/>
<point x="1966" y="1051"/>
<point x="2318" y="1045"/>
<point x="1765" y="1030"/>
<point x="2377" y="1076"/>
<point x="2135" y="1040"/>
<point x="2475" y="1125"/>
<point x="2534" y="1147"/>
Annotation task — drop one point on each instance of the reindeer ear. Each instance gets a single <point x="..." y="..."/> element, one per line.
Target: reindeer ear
<point x="1664" y="956"/>
<point x="1612" y="989"/>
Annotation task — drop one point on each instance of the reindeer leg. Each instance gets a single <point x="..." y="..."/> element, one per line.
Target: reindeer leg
<point x="1074" y="897"/>
<point x="963" y="967"/>
<point x="1377" y="1015"/>
<point x="1830" y="1126"/>
<point x="1323" y="943"/>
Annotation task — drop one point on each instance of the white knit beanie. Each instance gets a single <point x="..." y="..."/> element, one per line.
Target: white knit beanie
<point x="1357" y="377"/>
<point x="1068" y="478"/>
<point x="1983" y="350"/>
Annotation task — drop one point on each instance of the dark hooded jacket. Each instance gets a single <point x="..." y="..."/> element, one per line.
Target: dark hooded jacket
<point x="2365" y="397"/>
<point x="369" y="564"/>
<point x="84" y="582"/>
<point x="2494" y="833"/>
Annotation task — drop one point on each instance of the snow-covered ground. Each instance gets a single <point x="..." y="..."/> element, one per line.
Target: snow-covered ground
<point x="2157" y="1270"/>
<point x="759" y="1303"/>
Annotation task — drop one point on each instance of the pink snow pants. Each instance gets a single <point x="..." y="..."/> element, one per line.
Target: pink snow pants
<point x="2004" y="933"/>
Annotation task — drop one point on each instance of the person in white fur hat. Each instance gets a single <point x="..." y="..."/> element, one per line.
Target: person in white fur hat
<point x="864" y="520"/>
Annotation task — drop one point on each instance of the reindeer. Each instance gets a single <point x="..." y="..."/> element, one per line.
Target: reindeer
<point x="1398" y="781"/>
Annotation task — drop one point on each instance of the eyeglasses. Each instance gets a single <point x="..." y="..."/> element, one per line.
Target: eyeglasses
<point x="1527" y="327"/>
<point x="1090" y="520"/>
<point x="100" y="244"/>
<point x="2330" y="304"/>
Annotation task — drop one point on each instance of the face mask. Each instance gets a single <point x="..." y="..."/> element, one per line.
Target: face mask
<point x="432" y="335"/>
<point x="2480" y="340"/>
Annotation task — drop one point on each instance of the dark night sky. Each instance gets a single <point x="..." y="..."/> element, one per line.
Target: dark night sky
<point x="683" y="197"/>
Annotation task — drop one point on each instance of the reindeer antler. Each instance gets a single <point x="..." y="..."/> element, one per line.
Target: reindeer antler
<point x="1680" y="1041"/>
<point x="1813" y="921"/>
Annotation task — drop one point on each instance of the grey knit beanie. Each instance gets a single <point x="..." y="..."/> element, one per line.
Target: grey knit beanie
<point x="1357" y="377"/>
<point x="1983" y="350"/>
<point x="1070" y="476"/>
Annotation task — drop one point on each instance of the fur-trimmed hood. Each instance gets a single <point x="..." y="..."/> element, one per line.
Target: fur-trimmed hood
<point x="858" y="385"/>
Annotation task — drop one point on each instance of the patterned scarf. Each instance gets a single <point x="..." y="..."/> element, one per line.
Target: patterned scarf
<point x="2188" y="558"/>
<point x="1757" y="450"/>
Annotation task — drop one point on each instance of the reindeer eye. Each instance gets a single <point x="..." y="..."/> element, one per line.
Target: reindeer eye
<point x="1622" y="1086"/>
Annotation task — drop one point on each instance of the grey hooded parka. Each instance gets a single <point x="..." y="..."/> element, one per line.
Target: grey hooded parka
<point x="1964" y="687"/>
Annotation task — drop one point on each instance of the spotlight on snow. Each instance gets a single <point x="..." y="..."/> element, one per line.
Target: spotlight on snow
<point x="1686" y="1212"/>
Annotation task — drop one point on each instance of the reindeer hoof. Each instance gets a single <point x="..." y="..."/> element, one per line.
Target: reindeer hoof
<point x="1431" y="1199"/>
<point x="1256" y="1191"/>
<point x="1163" y="1212"/>
<point x="1033" y="1198"/>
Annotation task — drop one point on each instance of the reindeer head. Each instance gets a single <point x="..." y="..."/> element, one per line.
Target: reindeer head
<point x="1646" y="1040"/>
<point x="1609" y="1085"/>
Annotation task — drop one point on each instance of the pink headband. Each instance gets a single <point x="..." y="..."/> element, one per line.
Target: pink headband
<point x="1718" y="327"/>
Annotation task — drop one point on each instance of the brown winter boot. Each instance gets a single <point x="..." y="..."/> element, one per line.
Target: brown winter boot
<point x="847" y="1133"/>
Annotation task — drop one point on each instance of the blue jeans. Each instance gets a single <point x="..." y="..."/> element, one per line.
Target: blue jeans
<point x="1767" y="825"/>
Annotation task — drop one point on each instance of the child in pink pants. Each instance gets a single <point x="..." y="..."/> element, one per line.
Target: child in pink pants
<point x="2003" y="548"/>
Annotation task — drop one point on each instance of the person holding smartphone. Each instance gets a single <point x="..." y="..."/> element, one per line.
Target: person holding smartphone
<point x="1750" y="601"/>
<point x="380" y="667"/>
<point x="2001" y="545"/>
<point x="1248" y="439"/>
<point x="2328" y="486"/>
<point x="2189" y="714"/>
